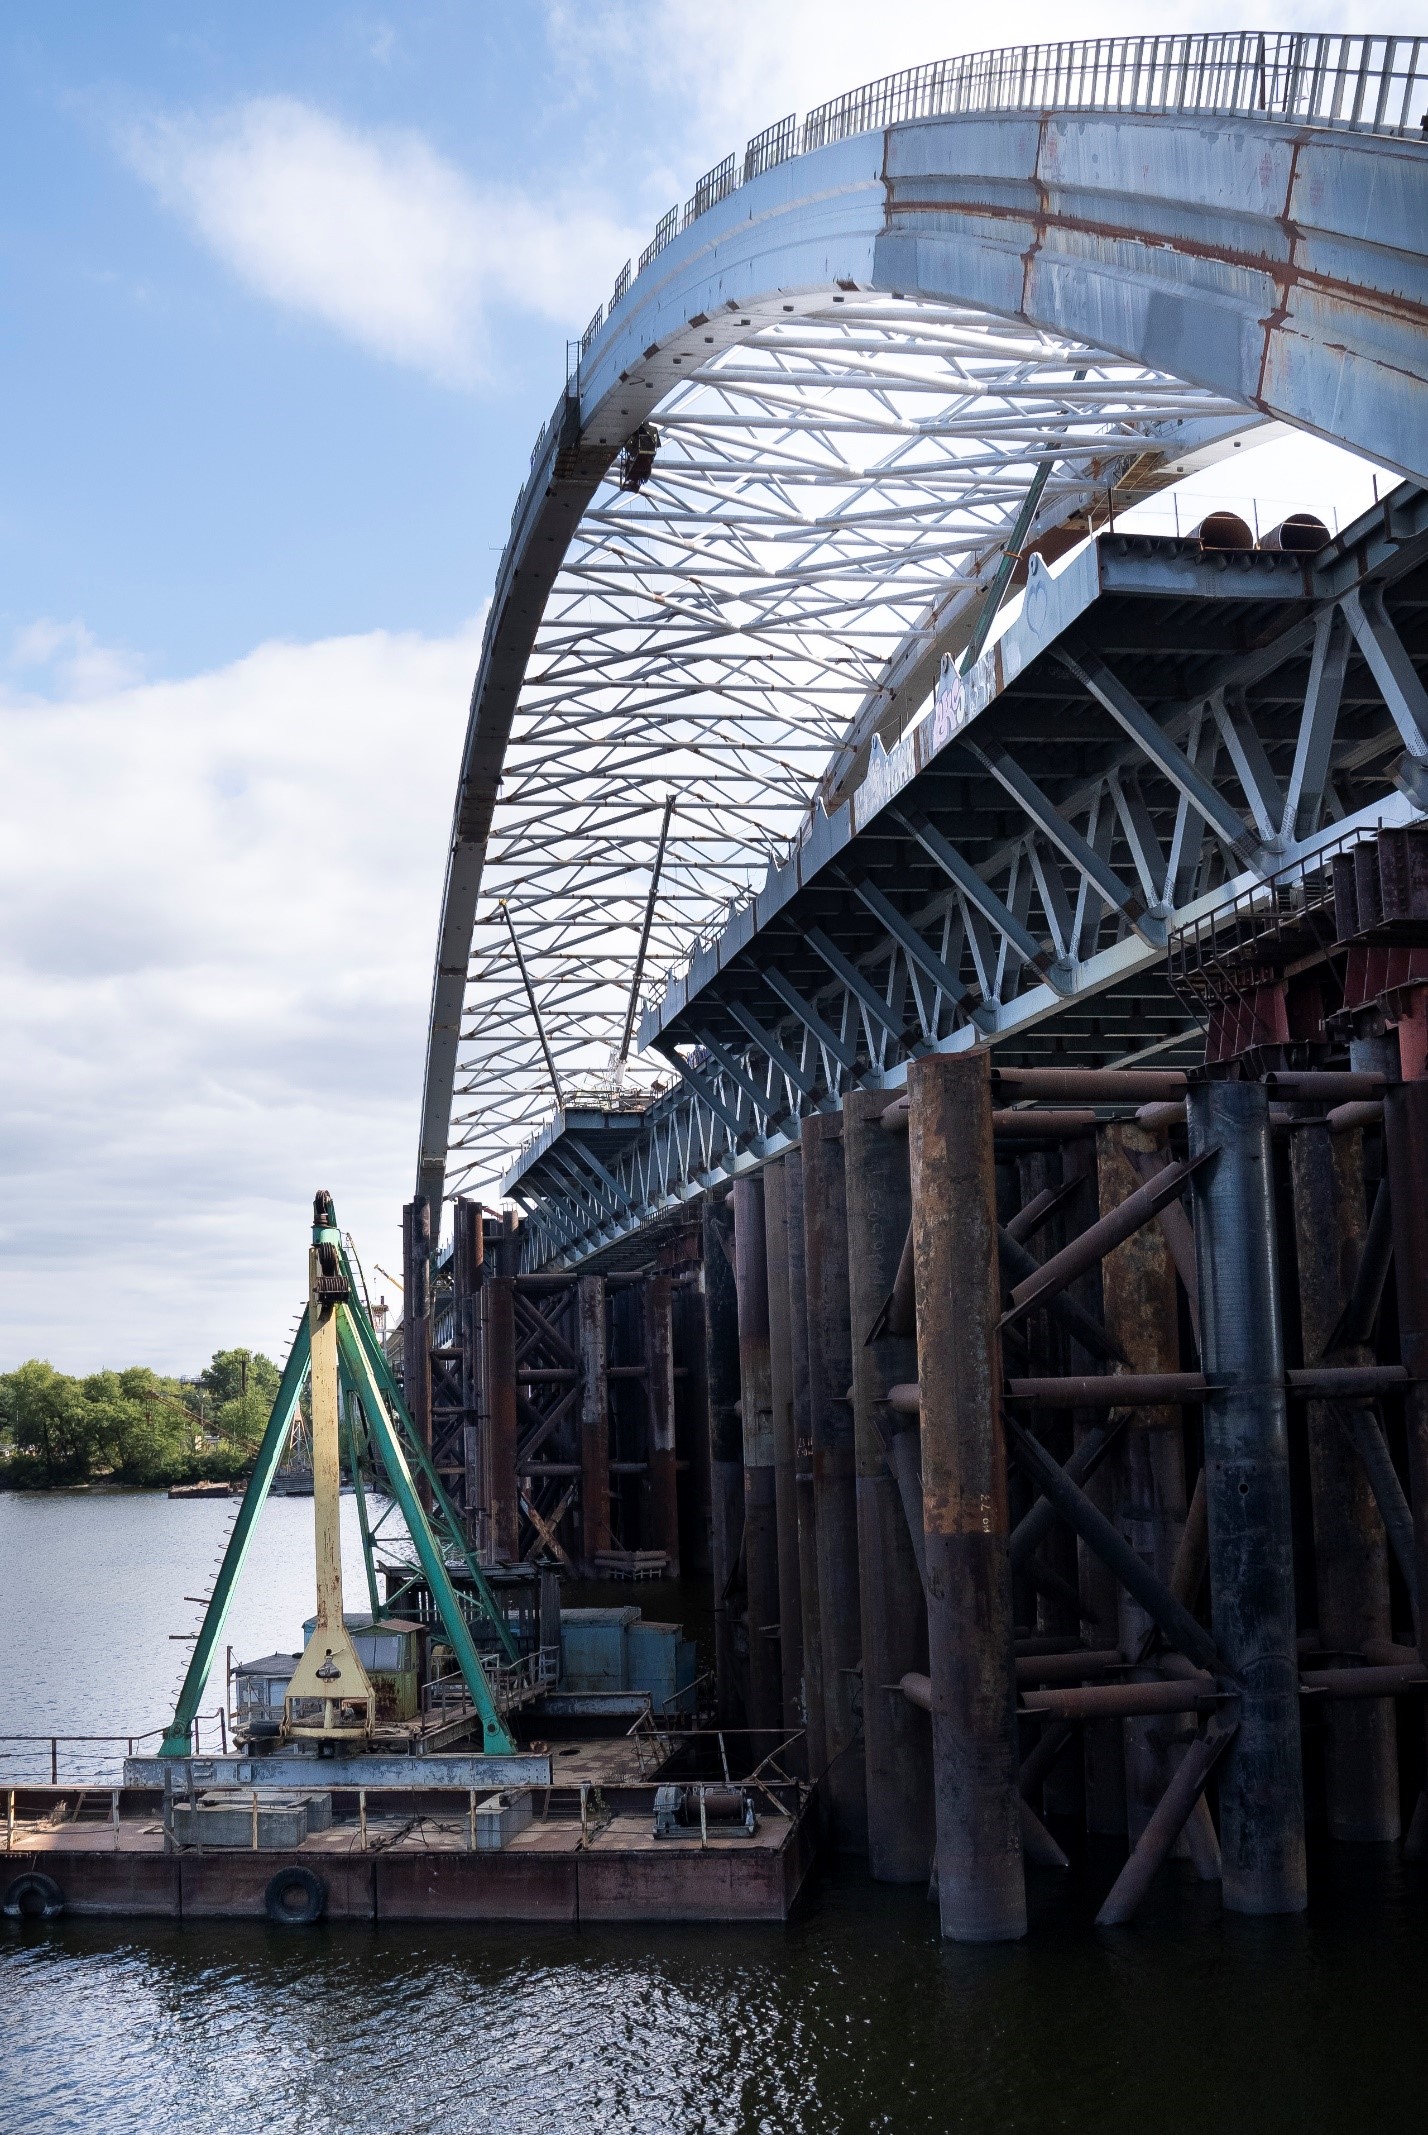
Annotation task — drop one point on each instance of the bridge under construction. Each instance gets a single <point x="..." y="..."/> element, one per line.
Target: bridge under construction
<point x="925" y="1125"/>
<point x="928" y="1039"/>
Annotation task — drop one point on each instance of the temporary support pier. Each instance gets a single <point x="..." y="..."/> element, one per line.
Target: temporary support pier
<point x="1081" y="1282"/>
<point x="562" y="1407"/>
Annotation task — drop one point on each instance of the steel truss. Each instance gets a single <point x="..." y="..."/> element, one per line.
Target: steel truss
<point x="828" y="502"/>
<point x="1155" y="738"/>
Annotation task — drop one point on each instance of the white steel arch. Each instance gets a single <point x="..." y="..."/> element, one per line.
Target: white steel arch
<point x="856" y="362"/>
<point x="825" y="495"/>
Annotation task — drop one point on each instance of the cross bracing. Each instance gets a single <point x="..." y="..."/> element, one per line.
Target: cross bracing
<point x="1161" y="737"/>
<point x="827" y="495"/>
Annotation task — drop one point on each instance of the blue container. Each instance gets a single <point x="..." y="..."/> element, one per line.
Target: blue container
<point x="660" y="1660"/>
<point x="592" y="1648"/>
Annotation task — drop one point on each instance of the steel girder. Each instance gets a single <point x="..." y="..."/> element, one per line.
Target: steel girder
<point x="1199" y="729"/>
<point x="857" y="362"/>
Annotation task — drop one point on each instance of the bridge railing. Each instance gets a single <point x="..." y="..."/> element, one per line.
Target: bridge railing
<point x="1376" y="84"/>
<point x="1362" y="84"/>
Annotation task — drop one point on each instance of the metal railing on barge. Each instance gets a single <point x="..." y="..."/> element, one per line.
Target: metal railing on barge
<point x="101" y="1767"/>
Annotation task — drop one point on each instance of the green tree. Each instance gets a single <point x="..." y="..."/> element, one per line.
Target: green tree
<point x="49" y="1426"/>
<point x="239" y="1388"/>
<point x="133" y="1425"/>
<point x="143" y="1425"/>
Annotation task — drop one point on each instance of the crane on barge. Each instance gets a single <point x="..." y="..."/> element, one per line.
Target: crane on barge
<point x="330" y="1700"/>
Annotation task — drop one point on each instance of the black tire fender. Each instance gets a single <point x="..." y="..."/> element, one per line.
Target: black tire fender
<point x="33" y="1897"/>
<point x="295" y="1897"/>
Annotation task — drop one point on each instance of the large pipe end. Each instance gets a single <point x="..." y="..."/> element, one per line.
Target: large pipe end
<point x="1223" y="534"/>
<point x="1301" y="534"/>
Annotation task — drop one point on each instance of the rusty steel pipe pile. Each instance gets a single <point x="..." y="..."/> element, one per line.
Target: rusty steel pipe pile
<point x="1055" y="1442"/>
<point x="1018" y="1555"/>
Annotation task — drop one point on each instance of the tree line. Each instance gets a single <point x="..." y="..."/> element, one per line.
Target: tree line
<point x="133" y="1426"/>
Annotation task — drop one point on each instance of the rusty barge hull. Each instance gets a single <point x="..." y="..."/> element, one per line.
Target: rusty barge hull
<point x="417" y="1865"/>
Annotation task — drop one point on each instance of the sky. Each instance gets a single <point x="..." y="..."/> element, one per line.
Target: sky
<point x="284" y="298"/>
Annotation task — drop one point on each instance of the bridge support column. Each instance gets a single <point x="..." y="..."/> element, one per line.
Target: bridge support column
<point x="1103" y="1764"/>
<point x="594" y="1421"/>
<point x="659" y="1388"/>
<point x="790" y="1606"/>
<point x="1138" y="1294"/>
<point x="500" y="1354"/>
<point x="810" y="1615"/>
<point x="1247" y="1495"/>
<point x="726" y="1453"/>
<point x="897" y="1736"/>
<point x="468" y="1240"/>
<point x="691" y="1397"/>
<point x="980" y="1882"/>
<point x="760" y="1516"/>
<point x="416" y="1322"/>
<point x="1350" y="1547"/>
<point x="830" y="1370"/>
<point x="1405" y="1124"/>
<point x="1054" y="1615"/>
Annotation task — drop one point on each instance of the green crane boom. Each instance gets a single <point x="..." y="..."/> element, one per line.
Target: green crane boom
<point x="398" y="1447"/>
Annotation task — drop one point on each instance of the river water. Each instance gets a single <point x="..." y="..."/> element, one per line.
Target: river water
<point x="853" y="2017"/>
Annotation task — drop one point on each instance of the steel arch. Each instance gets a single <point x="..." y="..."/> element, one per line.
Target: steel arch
<point x="1274" y="269"/>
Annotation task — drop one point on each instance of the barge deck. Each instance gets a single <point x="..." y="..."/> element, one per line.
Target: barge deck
<point x="410" y="1855"/>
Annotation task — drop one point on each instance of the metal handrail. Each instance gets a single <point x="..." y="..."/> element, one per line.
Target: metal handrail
<point x="56" y="1742"/>
<point x="1365" y="83"/>
<point x="1357" y="84"/>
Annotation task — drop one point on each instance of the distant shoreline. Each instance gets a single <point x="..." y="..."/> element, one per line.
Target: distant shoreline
<point x="182" y="1489"/>
<point x="96" y="1489"/>
<point x="102" y="1487"/>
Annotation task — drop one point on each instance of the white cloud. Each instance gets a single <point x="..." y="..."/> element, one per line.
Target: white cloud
<point x="715" y="75"/>
<point x="218" y="899"/>
<point x="373" y="232"/>
<point x="738" y="67"/>
<point x="69" y="658"/>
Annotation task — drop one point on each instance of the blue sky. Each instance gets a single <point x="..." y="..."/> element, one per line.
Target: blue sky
<point x="284" y="297"/>
<point x="198" y="467"/>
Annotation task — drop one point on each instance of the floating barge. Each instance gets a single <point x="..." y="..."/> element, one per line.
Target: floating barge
<point x="465" y="1749"/>
<point x="579" y="1852"/>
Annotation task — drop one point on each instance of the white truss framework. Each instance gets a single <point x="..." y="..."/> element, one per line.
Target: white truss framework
<point x="829" y="499"/>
